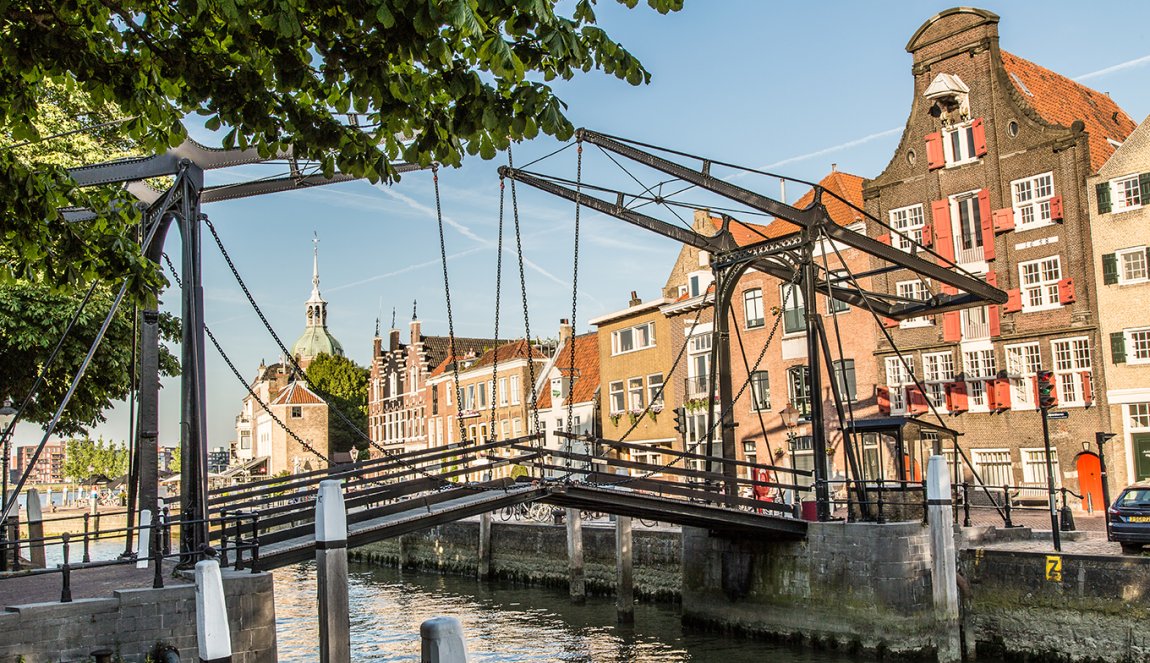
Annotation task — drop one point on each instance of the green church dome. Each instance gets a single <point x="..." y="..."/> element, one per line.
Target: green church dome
<point x="316" y="339"/>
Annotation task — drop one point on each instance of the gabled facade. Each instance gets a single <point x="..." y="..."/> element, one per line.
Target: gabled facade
<point x="991" y="173"/>
<point x="1120" y="208"/>
<point x="569" y="390"/>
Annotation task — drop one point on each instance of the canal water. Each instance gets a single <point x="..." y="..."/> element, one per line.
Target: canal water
<point x="502" y="622"/>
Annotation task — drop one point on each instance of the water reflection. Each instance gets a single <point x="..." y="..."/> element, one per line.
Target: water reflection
<point x="501" y="622"/>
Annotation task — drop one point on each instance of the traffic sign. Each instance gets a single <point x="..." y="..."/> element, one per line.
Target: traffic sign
<point x="1058" y="415"/>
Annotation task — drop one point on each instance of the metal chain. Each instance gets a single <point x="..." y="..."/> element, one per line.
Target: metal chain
<point x="574" y="296"/>
<point x="523" y="290"/>
<point x="454" y="358"/>
<point x="240" y="377"/>
<point x="498" y="290"/>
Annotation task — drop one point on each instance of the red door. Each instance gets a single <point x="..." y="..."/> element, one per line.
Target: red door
<point x="1090" y="481"/>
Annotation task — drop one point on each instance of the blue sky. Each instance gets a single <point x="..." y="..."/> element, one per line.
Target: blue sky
<point x="793" y="86"/>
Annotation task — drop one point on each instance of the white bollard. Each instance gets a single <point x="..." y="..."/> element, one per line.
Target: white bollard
<point x="442" y="639"/>
<point x="944" y="575"/>
<point x="35" y="529"/>
<point x="331" y="573"/>
<point x="213" y="636"/>
<point x="144" y="540"/>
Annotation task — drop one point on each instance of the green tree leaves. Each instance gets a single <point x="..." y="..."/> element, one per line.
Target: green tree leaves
<point x="84" y="458"/>
<point x="343" y="384"/>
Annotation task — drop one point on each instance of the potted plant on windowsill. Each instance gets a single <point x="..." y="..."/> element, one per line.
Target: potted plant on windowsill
<point x="614" y="416"/>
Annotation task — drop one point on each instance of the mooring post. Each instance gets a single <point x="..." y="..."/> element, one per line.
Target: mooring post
<point x="484" y="567"/>
<point x="624" y="576"/>
<point x="944" y="580"/>
<point x="331" y="575"/>
<point x="575" y="578"/>
<point x="144" y="540"/>
<point x="35" y="530"/>
<point x="213" y="636"/>
<point x="442" y="641"/>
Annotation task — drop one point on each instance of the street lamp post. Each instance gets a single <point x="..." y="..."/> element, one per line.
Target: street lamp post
<point x="7" y="417"/>
<point x="790" y="417"/>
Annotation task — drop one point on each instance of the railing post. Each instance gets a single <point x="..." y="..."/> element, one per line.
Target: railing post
<point x="166" y="530"/>
<point x="4" y="545"/>
<point x="255" y="542"/>
<point x="1006" y="506"/>
<point x="965" y="504"/>
<point x="15" y="543"/>
<point x="157" y="556"/>
<point x="87" y="557"/>
<point x="224" y="537"/>
<point x="239" y="539"/>
<point x="66" y="572"/>
<point x="879" y="518"/>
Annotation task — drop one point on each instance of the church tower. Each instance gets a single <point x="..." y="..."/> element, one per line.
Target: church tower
<point x="316" y="339"/>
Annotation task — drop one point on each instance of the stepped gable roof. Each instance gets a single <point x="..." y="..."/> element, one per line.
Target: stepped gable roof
<point x="520" y="349"/>
<point x="844" y="185"/>
<point x="586" y="369"/>
<point x="297" y="393"/>
<point x="437" y="348"/>
<point x="1059" y="100"/>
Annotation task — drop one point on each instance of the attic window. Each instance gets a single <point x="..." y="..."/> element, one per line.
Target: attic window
<point x="1114" y="143"/>
<point x="1021" y="85"/>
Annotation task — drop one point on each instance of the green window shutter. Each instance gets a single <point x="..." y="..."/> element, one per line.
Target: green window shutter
<point x="1103" y="191"/>
<point x="1144" y="187"/>
<point x="1109" y="268"/>
<point x="1118" y="347"/>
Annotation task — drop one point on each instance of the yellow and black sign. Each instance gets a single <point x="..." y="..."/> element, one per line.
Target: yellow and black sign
<point x="1054" y="568"/>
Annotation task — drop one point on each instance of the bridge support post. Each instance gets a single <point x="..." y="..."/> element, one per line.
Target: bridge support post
<point x="484" y="570"/>
<point x="213" y="634"/>
<point x="442" y="641"/>
<point x="576" y="581"/>
<point x="35" y="530"/>
<point x="624" y="573"/>
<point x="331" y="573"/>
<point x="944" y="575"/>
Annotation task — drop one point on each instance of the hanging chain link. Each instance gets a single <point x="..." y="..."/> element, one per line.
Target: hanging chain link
<point x="574" y="299"/>
<point x="523" y="290"/>
<point x="454" y="357"/>
<point x="498" y="290"/>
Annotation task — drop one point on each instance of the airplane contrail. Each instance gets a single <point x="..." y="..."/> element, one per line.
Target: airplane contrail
<point x="410" y="268"/>
<point x="1129" y="64"/>
<point x="834" y="148"/>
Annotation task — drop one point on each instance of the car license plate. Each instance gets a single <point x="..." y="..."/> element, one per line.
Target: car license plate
<point x="1138" y="519"/>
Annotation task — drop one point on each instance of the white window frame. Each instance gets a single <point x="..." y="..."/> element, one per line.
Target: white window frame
<point x="937" y="372"/>
<point x="633" y="331"/>
<point x="1132" y="336"/>
<point x="1125" y="194"/>
<point x="636" y="394"/>
<point x="1030" y="199"/>
<point x="1071" y="359"/>
<point x="1033" y="461"/>
<point x="503" y="392"/>
<point x="515" y="390"/>
<point x="914" y="289"/>
<point x="898" y="376"/>
<point x="698" y="282"/>
<point x="836" y="306"/>
<point x="654" y="384"/>
<point x="617" y="397"/>
<point x="848" y="389"/>
<point x="792" y="302"/>
<point x="906" y="227"/>
<point x="753" y="308"/>
<point x="979" y="367"/>
<point x="760" y="398"/>
<point x="973" y="330"/>
<point x="1023" y="361"/>
<point x="1038" y="283"/>
<point x="993" y="458"/>
<point x="965" y="145"/>
<point x="1120" y="257"/>
<point x="799" y="388"/>
<point x="977" y="252"/>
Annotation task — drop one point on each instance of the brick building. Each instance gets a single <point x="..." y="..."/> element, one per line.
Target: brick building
<point x="1120" y="211"/>
<point x="49" y="467"/>
<point x="570" y="387"/>
<point x="991" y="172"/>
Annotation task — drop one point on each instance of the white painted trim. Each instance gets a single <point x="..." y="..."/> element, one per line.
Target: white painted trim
<point x="1125" y="396"/>
<point x="645" y="306"/>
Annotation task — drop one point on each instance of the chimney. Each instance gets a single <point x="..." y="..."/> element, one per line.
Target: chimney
<point x="393" y="339"/>
<point x="376" y="346"/>
<point x="635" y="301"/>
<point x="834" y="167"/>
<point x="565" y="331"/>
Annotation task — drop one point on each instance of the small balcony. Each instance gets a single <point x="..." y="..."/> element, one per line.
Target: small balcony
<point x="698" y="386"/>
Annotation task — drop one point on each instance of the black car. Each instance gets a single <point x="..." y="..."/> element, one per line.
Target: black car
<point x="1130" y="518"/>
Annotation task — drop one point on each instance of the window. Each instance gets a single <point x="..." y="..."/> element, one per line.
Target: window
<point x="1039" y="279"/>
<point x="907" y="223"/>
<point x="245" y="440"/>
<point x="482" y="392"/>
<point x="635" y="394"/>
<point x="993" y="466"/>
<point x="505" y="427"/>
<point x="698" y="282"/>
<point x="760" y="390"/>
<point x="1022" y="363"/>
<point x="798" y="389"/>
<point x="1034" y="471"/>
<point x="435" y="399"/>
<point x="517" y="426"/>
<point x="975" y="323"/>
<point x="958" y="143"/>
<point x="1132" y="266"/>
<point x="633" y="338"/>
<point x="937" y="371"/>
<point x="1138" y="346"/>
<point x="515" y="390"/>
<point x="618" y="403"/>
<point x="753" y="308"/>
<point x="915" y="290"/>
<point x="1071" y="369"/>
<point x="834" y="306"/>
<point x="1031" y="198"/>
<point x="296" y="412"/>
<point x="968" y="235"/>
<point x="844" y="371"/>
<point x="898" y="376"/>
<point x="979" y="366"/>
<point x="1139" y="415"/>
<point x="469" y="398"/>
<point x="1127" y="193"/>
<point x="794" y="317"/>
<point x="502" y="391"/>
<point x="655" y="389"/>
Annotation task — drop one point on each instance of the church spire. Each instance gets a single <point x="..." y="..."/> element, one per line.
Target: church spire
<point x="316" y="339"/>
<point x="315" y="266"/>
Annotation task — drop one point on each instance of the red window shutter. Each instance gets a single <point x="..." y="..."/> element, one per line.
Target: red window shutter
<point x="948" y="289"/>
<point x="935" y="158"/>
<point x="943" y="236"/>
<point x="916" y="401"/>
<point x="926" y="235"/>
<point x="883" y="394"/>
<point x="884" y="238"/>
<point x="1013" y="301"/>
<point x="1001" y="390"/>
<point x="1056" y="208"/>
<point x="889" y="322"/>
<point x="992" y="278"/>
<point x="994" y="311"/>
<point x="1003" y="219"/>
<point x="1066" y="291"/>
<point x="951" y="327"/>
<point x="956" y="400"/>
<point x="986" y="219"/>
<point x="979" y="131"/>
<point x="1087" y="387"/>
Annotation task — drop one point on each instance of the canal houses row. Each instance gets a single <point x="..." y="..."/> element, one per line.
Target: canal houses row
<point x="1002" y="168"/>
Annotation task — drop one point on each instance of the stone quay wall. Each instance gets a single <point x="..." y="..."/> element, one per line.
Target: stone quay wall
<point x="1055" y="607"/>
<point x="134" y="621"/>
<point x="537" y="554"/>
